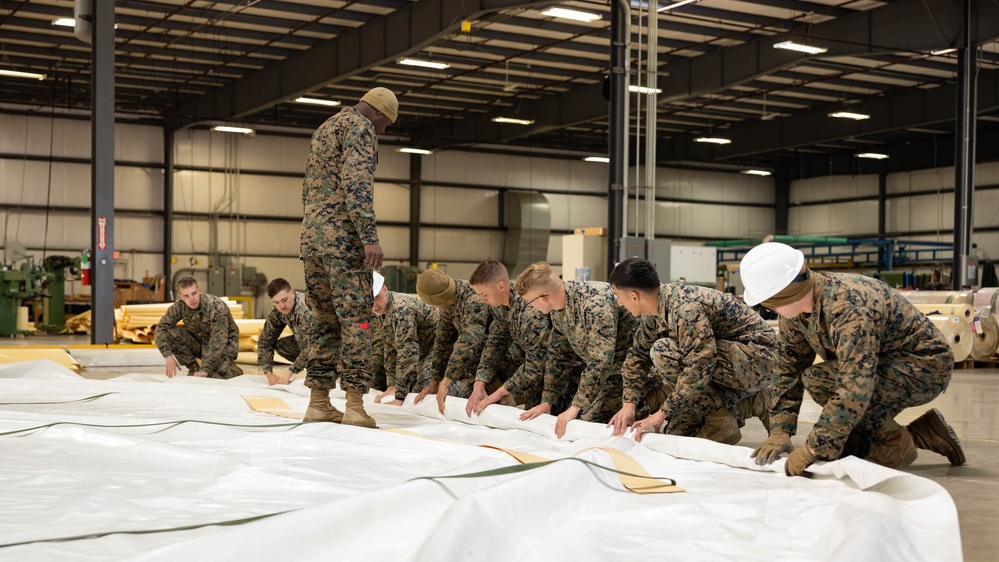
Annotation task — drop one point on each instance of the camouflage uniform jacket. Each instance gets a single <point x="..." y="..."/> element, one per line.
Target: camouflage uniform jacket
<point x="528" y="328"/>
<point x="461" y="334"/>
<point x="338" y="191"/>
<point x="409" y="326"/>
<point x="300" y="320"/>
<point x="594" y="328"/>
<point x="695" y="318"/>
<point x="858" y="322"/>
<point x="211" y="324"/>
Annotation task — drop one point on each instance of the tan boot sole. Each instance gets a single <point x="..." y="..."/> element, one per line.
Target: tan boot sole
<point x="317" y="415"/>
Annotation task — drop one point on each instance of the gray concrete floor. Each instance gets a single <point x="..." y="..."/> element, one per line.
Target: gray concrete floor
<point x="971" y="405"/>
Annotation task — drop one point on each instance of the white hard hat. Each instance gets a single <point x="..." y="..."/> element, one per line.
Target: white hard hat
<point x="378" y="281"/>
<point x="767" y="269"/>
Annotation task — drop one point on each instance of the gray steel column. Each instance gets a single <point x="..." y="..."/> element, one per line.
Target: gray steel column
<point x="964" y="159"/>
<point x="102" y="173"/>
<point x="882" y="219"/>
<point x="168" y="140"/>
<point x="415" y="190"/>
<point x="618" y="127"/>
<point x="782" y="202"/>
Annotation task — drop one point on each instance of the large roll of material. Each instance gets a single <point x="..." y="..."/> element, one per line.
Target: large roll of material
<point x="22" y="319"/>
<point x="931" y="297"/>
<point x="986" y="298"/>
<point x="957" y="332"/>
<point x="965" y="312"/>
<point x="986" y="337"/>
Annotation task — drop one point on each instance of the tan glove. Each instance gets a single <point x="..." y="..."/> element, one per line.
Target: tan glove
<point x="798" y="460"/>
<point x="778" y="442"/>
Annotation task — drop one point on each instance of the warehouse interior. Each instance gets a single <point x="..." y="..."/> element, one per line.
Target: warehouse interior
<point x="872" y="143"/>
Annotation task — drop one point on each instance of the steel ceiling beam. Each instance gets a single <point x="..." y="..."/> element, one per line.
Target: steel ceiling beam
<point x="383" y="39"/>
<point x="904" y="25"/>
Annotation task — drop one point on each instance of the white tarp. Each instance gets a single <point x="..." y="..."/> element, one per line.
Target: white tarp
<point x="350" y="493"/>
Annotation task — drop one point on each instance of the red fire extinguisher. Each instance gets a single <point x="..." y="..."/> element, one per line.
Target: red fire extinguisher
<point x="85" y="268"/>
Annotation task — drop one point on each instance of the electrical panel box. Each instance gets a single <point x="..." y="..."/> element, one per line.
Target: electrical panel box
<point x="694" y="264"/>
<point x="216" y="281"/>
<point x="633" y="247"/>
<point x="233" y="280"/>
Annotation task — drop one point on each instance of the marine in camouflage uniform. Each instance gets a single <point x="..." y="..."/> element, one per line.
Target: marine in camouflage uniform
<point x="881" y="356"/>
<point x="711" y="348"/>
<point x="593" y="330"/>
<point x="410" y="329"/>
<point x="339" y="220"/>
<point x="461" y="336"/>
<point x="209" y="333"/>
<point x="295" y="347"/>
<point x="376" y="360"/>
<point x="517" y="343"/>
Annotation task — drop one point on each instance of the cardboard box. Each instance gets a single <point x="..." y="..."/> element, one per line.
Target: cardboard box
<point x="592" y="231"/>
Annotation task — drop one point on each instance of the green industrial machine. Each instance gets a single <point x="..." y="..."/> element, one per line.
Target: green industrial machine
<point x="54" y="297"/>
<point x="400" y="278"/>
<point x="17" y="284"/>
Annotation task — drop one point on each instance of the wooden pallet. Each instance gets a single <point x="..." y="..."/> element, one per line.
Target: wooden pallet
<point x="992" y="363"/>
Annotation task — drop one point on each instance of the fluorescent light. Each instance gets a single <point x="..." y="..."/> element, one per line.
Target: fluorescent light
<point x="64" y="22"/>
<point x="762" y="173"/>
<point x="228" y="129"/>
<point x="19" y="74"/>
<point x="513" y="121"/>
<point x="602" y="159"/>
<point x="643" y="90"/>
<point x="570" y="14"/>
<point x="424" y="63"/>
<point x="850" y="115"/>
<point x="676" y="5"/>
<point x="408" y="150"/>
<point x="317" y="101"/>
<point x="792" y="46"/>
<point x="713" y="140"/>
<point x="872" y="155"/>
<point x="943" y="51"/>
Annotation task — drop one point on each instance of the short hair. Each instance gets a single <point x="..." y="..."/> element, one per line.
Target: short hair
<point x="276" y="286"/>
<point x="186" y="282"/>
<point x="537" y="275"/>
<point x="635" y="274"/>
<point x="490" y="270"/>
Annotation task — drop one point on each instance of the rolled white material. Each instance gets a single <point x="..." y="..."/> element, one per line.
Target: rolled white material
<point x="985" y="337"/>
<point x="957" y="332"/>
<point x="965" y="312"/>
<point x="949" y="297"/>
<point x="986" y="298"/>
<point x="22" y="319"/>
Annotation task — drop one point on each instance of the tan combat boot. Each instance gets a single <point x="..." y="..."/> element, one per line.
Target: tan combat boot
<point x="320" y="409"/>
<point x="893" y="446"/>
<point x="757" y="406"/>
<point x="931" y="431"/>
<point x="721" y="427"/>
<point x="355" y="414"/>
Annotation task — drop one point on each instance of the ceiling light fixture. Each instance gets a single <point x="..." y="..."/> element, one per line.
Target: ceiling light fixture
<point x="713" y="140"/>
<point x="872" y="155"/>
<point x="761" y="173"/>
<point x="792" y="46"/>
<point x="317" y="101"/>
<point x="424" y="63"/>
<point x="422" y="151"/>
<point x="946" y="51"/>
<point x="19" y="74"/>
<point x="228" y="129"/>
<point x="602" y="159"/>
<point x="64" y="22"/>
<point x="571" y="14"/>
<point x="644" y="90"/>
<point x="676" y="5"/>
<point x="850" y="115"/>
<point x="513" y="121"/>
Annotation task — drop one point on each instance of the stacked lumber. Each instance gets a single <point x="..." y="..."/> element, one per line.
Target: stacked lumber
<point x="137" y="322"/>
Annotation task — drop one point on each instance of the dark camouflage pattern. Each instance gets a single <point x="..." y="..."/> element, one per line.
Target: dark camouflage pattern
<point x="714" y="348"/>
<point x="882" y="355"/>
<point x="376" y="359"/>
<point x="595" y="330"/>
<point x="516" y="349"/>
<point x="300" y="321"/>
<point x="209" y="333"/>
<point x="339" y="219"/>
<point x="461" y="335"/>
<point x="410" y="329"/>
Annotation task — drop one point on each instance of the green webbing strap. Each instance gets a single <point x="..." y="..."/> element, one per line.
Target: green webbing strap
<point x="87" y="399"/>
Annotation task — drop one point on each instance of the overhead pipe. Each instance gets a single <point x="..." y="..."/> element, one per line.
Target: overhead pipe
<point x="83" y="14"/>
<point x="964" y="158"/>
<point x="652" y="68"/>
<point x="618" y="128"/>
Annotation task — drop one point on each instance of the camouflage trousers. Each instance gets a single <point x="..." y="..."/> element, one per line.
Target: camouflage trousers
<point x="341" y="303"/>
<point x="607" y="401"/>
<point x="376" y="364"/>
<point x="405" y="385"/>
<point x="187" y="349"/>
<point x="288" y="348"/>
<point x="898" y="385"/>
<point x="741" y="371"/>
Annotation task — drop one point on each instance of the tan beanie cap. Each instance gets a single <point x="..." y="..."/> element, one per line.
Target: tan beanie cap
<point x="384" y="101"/>
<point x="435" y="287"/>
